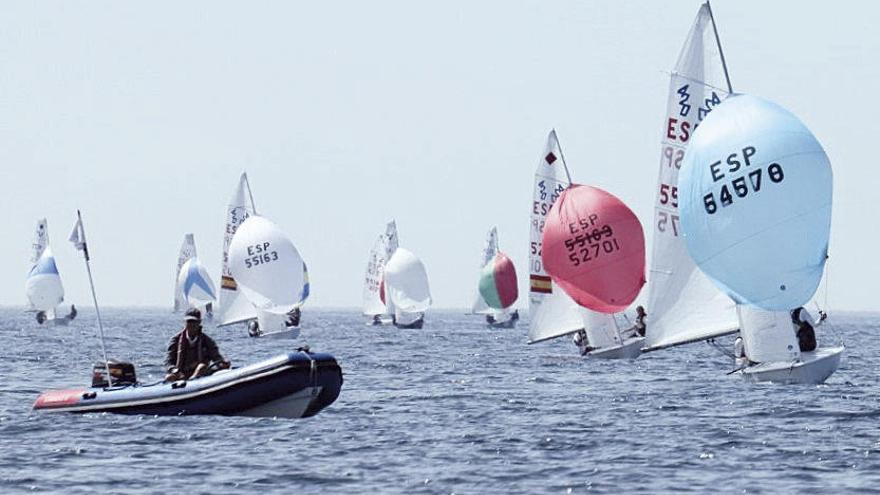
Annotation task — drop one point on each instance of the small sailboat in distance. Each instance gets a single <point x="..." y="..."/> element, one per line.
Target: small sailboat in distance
<point x="552" y="313"/>
<point x="43" y="286"/>
<point x="753" y="179"/>
<point x="405" y="289"/>
<point x="373" y="305"/>
<point x="497" y="289"/>
<point x="187" y="251"/>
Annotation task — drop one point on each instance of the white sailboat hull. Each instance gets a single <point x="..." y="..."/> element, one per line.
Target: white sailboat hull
<point x="812" y="368"/>
<point x="630" y="349"/>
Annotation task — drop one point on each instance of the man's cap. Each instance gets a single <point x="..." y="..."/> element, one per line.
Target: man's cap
<point x="193" y="315"/>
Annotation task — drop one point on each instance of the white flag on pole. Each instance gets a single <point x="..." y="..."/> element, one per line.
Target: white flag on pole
<point x="78" y="236"/>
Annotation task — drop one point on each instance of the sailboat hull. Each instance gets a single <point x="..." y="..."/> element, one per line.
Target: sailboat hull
<point x="813" y="368"/>
<point x="292" y="385"/>
<point x="630" y="349"/>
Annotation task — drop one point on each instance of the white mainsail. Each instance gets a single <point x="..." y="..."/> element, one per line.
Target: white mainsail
<point x="381" y="252"/>
<point x="41" y="240"/>
<point x="683" y="304"/>
<point x="406" y="283"/>
<point x="552" y="313"/>
<point x="187" y="251"/>
<point x="234" y="307"/>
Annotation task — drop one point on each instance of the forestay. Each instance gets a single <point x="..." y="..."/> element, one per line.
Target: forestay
<point x="406" y="283"/>
<point x="234" y="307"/>
<point x="267" y="267"/>
<point x="756" y="190"/>
<point x="551" y="312"/>
<point x="594" y="248"/>
<point x="187" y="251"/>
<point x="683" y="304"/>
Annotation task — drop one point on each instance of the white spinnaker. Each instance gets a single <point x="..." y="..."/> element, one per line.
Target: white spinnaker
<point x="406" y="283"/>
<point x="768" y="336"/>
<point x="552" y="313"/>
<point x="41" y="240"/>
<point x="683" y="304"/>
<point x="43" y="285"/>
<point x="266" y="265"/>
<point x="234" y="307"/>
<point x="187" y="251"/>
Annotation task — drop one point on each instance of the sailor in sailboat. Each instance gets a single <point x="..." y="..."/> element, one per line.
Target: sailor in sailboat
<point x="192" y="354"/>
<point x="805" y="328"/>
<point x="43" y="318"/>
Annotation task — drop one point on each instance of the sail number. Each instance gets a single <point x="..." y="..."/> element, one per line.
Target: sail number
<point x="668" y="195"/>
<point x="665" y="219"/>
<point x="259" y="254"/>
<point x="587" y="245"/>
<point x="741" y="186"/>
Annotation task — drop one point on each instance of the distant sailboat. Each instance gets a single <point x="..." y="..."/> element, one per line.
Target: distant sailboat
<point x="373" y="304"/>
<point x="405" y="289"/>
<point x="552" y="313"/>
<point x="234" y="307"/>
<point x="187" y="251"/>
<point x="43" y="286"/>
<point x="196" y="285"/>
<point x="755" y="201"/>
<point x="683" y="304"/>
<point x="497" y="289"/>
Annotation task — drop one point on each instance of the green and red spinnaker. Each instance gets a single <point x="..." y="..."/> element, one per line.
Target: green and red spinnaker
<point x="498" y="282"/>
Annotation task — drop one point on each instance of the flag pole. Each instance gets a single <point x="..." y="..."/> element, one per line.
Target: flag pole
<point x="81" y="244"/>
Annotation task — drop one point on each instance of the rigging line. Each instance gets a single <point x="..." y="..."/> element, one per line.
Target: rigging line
<point x="720" y="50"/>
<point x="562" y="155"/>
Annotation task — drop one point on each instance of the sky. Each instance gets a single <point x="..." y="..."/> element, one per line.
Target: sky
<point x="348" y="114"/>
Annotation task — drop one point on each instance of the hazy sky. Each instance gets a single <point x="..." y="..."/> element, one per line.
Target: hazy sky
<point x="347" y="114"/>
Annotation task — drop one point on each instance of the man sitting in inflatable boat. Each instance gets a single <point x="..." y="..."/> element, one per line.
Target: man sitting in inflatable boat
<point x="191" y="353"/>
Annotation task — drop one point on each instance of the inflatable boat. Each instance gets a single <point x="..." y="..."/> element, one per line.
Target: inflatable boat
<point x="296" y="385"/>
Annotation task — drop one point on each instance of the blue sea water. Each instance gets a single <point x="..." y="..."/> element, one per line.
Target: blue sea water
<point x="452" y="408"/>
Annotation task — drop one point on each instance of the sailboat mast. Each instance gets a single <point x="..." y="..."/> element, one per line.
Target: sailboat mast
<point x="564" y="162"/>
<point x="251" y="194"/>
<point x="720" y="50"/>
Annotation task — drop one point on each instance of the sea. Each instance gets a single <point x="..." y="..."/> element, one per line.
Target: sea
<point x="452" y="408"/>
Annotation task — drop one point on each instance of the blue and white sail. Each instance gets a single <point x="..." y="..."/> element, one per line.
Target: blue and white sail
<point x="41" y="240"/>
<point x="195" y="284"/>
<point x="187" y="251"/>
<point x="43" y="285"/>
<point x="755" y="196"/>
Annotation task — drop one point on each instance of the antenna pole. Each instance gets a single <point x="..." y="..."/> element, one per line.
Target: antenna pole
<point x="85" y="249"/>
<point x="720" y="50"/>
<point x="562" y="155"/>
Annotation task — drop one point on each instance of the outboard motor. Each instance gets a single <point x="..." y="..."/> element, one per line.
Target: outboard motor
<point x="122" y="372"/>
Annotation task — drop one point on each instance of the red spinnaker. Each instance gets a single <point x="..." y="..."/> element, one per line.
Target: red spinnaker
<point x="594" y="248"/>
